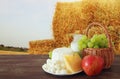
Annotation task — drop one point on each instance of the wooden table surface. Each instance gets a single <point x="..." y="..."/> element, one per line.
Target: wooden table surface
<point x="29" y="67"/>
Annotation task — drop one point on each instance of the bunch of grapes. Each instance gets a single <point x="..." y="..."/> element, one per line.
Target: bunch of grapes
<point x="97" y="41"/>
<point x="82" y="43"/>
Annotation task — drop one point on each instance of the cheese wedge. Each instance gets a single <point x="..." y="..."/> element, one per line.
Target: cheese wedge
<point x="72" y="62"/>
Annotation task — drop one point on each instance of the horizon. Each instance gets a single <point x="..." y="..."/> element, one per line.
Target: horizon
<point x="22" y="21"/>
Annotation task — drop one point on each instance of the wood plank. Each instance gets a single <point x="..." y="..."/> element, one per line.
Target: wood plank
<point x="30" y="67"/>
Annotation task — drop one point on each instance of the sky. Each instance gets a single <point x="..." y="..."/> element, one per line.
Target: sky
<point x="22" y="21"/>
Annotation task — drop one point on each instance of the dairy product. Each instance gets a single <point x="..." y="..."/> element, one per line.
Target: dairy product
<point x="56" y="65"/>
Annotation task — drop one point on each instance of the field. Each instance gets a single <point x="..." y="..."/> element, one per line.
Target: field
<point x="2" y="52"/>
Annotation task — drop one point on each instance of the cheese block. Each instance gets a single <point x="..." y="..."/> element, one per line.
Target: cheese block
<point x="72" y="62"/>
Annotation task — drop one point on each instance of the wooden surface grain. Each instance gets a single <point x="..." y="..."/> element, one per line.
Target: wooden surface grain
<point x="29" y="67"/>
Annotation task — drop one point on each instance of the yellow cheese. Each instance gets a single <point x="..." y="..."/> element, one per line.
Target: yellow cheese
<point x="72" y="62"/>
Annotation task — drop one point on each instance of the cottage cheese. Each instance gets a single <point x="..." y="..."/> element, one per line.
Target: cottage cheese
<point x="56" y="65"/>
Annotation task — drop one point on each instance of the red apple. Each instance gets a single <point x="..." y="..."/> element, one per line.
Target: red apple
<point x="92" y="65"/>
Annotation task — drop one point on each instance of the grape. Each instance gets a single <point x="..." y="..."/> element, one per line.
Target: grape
<point x="84" y="37"/>
<point x="82" y="43"/>
<point x="101" y="44"/>
<point x="106" y="45"/>
<point x="86" y="41"/>
<point x="50" y="54"/>
<point x="102" y="36"/>
<point x="95" y="36"/>
<point x="96" y="46"/>
<point x="106" y="41"/>
<point x="98" y="39"/>
<point x="80" y="47"/>
<point x="92" y="40"/>
<point x="90" y="44"/>
<point x="84" y="46"/>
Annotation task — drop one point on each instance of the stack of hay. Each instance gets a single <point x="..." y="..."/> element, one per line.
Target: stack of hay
<point x="41" y="46"/>
<point x="73" y="17"/>
<point x="66" y="21"/>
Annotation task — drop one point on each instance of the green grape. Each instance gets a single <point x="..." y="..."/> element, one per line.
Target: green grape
<point x="50" y="54"/>
<point x="102" y="36"/>
<point x="92" y="40"/>
<point x="97" y="41"/>
<point x="84" y="46"/>
<point x="103" y="41"/>
<point x="106" y="41"/>
<point x="100" y="44"/>
<point x="90" y="44"/>
<point x="96" y="46"/>
<point x="80" y="47"/>
<point x="98" y="38"/>
<point x="80" y="42"/>
<point x="84" y="41"/>
<point x="84" y="37"/>
<point x="106" y="45"/>
<point x="95" y="36"/>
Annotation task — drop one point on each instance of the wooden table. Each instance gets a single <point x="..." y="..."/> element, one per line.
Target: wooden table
<point x="29" y="67"/>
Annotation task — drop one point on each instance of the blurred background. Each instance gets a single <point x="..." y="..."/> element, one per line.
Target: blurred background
<point x="24" y="20"/>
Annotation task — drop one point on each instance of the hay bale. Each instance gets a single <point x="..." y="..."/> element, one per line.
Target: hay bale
<point x="75" y="16"/>
<point x="67" y="19"/>
<point x="41" y="46"/>
<point x="102" y="11"/>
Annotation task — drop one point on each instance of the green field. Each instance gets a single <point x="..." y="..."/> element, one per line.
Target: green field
<point x="10" y="48"/>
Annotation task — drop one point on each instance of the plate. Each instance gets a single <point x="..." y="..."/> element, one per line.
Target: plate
<point x="61" y="74"/>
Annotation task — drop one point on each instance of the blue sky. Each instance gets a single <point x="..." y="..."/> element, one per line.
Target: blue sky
<point x="24" y="20"/>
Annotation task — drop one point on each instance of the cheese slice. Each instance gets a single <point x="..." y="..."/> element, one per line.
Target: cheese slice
<point x="72" y="62"/>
